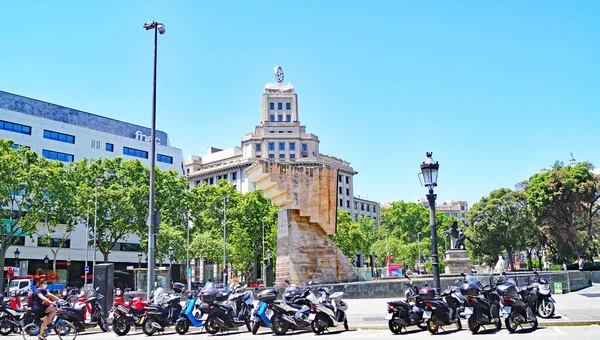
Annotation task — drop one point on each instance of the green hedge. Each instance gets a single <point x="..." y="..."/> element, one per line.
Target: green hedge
<point x="587" y="266"/>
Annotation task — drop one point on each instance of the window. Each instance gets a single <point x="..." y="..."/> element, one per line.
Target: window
<point x="304" y="147"/>
<point x="292" y="156"/>
<point x="447" y="214"/>
<point x="374" y="208"/>
<point x="288" y="118"/>
<point x="462" y="215"/>
<point x="61" y="137"/>
<point x="454" y="214"/>
<point x="95" y="144"/>
<point x="271" y="106"/>
<point x="339" y="176"/>
<point x="127" y="247"/>
<point x="279" y="106"/>
<point x="347" y="192"/>
<point x="16" y="146"/>
<point x="257" y="147"/>
<point x="234" y="176"/>
<point x="211" y="181"/>
<point x="347" y="180"/>
<point x="356" y="217"/>
<point x="280" y="131"/>
<point x="14" y="127"/>
<point x="281" y="146"/>
<point x="109" y="147"/>
<point x="53" y="242"/>
<point x="341" y="202"/>
<point x="164" y="159"/>
<point x="292" y="146"/>
<point x="271" y="119"/>
<point x="347" y="204"/>
<point x="135" y="152"/>
<point x="368" y="208"/>
<point x="355" y="205"/>
<point x="271" y="146"/>
<point x="290" y="131"/>
<point x="280" y="118"/>
<point x="340" y="190"/>
<point x="57" y="156"/>
<point x="288" y="106"/>
<point x="462" y="207"/>
<point x="282" y="156"/>
<point x="362" y="206"/>
<point x="271" y="156"/>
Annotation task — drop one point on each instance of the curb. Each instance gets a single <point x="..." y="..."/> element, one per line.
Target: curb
<point x="570" y="323"/>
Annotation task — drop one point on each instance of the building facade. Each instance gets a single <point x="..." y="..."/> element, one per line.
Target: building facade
<point x="279" y="138"/>
<point x="68" y="135"/>
<point x="458" y="209"/>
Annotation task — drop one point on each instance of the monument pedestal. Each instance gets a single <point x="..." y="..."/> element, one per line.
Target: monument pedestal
<point x="457" y="261"/>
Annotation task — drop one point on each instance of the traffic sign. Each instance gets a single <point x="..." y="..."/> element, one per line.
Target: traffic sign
<point x="87" y="269"/>
<point x="388" y="258"/>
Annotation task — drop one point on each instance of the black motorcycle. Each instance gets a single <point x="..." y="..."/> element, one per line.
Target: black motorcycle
<point x="482" y="304"/>
<point x="442" y="310"/>
<point x="233" y="313"/>
<point x="162" y="314"/>
<point x="517" y="304"/>
<point x="293" y="311"/>
<point x="75" y="315"/>
<point x="544" y="303"/>
<point x="401" y="314"/>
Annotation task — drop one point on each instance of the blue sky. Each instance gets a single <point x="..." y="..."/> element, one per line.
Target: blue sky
<point x="497" y="90"/>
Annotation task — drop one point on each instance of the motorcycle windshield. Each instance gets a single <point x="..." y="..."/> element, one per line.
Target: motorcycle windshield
<point x="229" y="288"/>
<point x="471" y="279"/>
<point x="208" y="287"/>
<point x="313" y="299"/>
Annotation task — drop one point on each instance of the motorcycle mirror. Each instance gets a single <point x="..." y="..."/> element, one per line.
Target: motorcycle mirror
<point x="97" y="288"/>
<point x="462" y="274"/>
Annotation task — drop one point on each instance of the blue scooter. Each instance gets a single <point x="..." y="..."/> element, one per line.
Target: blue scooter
<point x="263" y="312"/>
<point x="193" y="314"/>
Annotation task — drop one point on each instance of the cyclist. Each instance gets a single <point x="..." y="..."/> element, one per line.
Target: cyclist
<point x="42" y="306"/>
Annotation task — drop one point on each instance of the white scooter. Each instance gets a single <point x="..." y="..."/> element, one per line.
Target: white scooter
<point x="330" y="312"/>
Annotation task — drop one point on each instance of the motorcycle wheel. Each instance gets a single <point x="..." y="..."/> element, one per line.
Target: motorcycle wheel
<point x="147" y="327"/>
<point x="120" y="328"/>
<point x="248" y="325"/>
<point x="211" y="327"/>
<point x="5" y="326"/>
<point x="394" y="327"/>
<point x="473" y="326"/>
<point x="316" y="327"/>
<point x="510" y="323"/>
<point x="255" y="327"/>
<point x="278" y="325"/>
<point x="431" y="326"/>
<point x="182" y="327"/>
<point x="103" y="323"/>
<point x="546" y="309"/>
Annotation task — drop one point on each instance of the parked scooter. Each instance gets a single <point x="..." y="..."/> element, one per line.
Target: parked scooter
<point x="77" y="314"/>
<point x="293" y="311"/>
<point x="517" y="309"/>
<point x="233" y="313"/>
<point x="401" y="314"/>
<point x="162" y="313"/>
<point x="330" y="312"/>
<point x="544" y="302"/>
<point x="127" y="314"/>
<point x="194" y="313"/>
<point x="9" y="316"/>
<point x="263" y="312"/>
<point x="483" y="303"/>
<point x="442" y="310"/>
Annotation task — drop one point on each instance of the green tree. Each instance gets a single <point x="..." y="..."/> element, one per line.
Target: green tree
<point x="349" y="237"/>
<point x="564" y="202"/>
<point x="18" y="187"/>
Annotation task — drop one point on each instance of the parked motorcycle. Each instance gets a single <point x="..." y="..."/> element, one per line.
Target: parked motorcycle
<point x="401" y="314"/>
<point x="162" y="313"/>
<point x="127" y="314"/>
<point x="442" y="310"/>
<point x="195" y="312"/>
<point x="9" y="318"/>
<point x="483" y="304"/>
<point x="261" y="316"/>
<point x="293" y="311"/>
<point x="544" y="303"/>
<point x="517" y="309"/>
<point x="77" y="314"/>
<point x="232" y="313"/>
<point x="330" y="312"/>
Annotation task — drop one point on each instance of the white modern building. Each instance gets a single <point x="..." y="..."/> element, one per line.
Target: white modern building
<point x="279" y="138"/>
<point x="66" y="134"/>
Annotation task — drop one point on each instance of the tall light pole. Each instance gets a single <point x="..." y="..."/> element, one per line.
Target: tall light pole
<point x="419" y="247"/>
<point x="263" y="250"/>
<point x="171" y="251"/>
<point x="98" y="180"/>
<point x="158" y="28"/>
<point x="387" y="251"/>
<point x="225" y="200"/>
<point x="87" y="244"/>
<point x="429" y="170"/>
<point x="68" y="270"/>
<point x="187" y="259"/>
<point x="17" y="253"/>
<point x="46" y="259"/>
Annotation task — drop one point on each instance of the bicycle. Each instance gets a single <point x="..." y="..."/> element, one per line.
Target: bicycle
<point x="64" y="329"/>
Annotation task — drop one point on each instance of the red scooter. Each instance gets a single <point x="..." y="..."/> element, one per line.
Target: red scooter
<point x="127" y="313"/>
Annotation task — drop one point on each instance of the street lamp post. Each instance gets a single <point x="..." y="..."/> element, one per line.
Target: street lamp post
<point x="68" y="270"/>
<point x="387" y="251"/>
<point x="17" y="253"/>
<point x="263" y="248"/>
<point x="268" y="265"/>
<point x="158" y="28"/>
<point x="46" y="259"/>
<point x="225" y="200"/>
<point x="98" y="180"/>
<point x="171" y="251"/>
<point x="187" y="257"/>
<point x="87" y="243"/>
<point x="419" y="247"/>
<point x="140" y="259"/>
<point x="429" y="170"/>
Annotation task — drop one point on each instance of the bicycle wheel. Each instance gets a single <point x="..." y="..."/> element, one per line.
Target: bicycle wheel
<point x="65" y="330"/>
<point x="30" y="331"/>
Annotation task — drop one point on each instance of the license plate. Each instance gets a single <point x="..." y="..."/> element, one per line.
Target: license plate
<point x="469" y="310"/>
<point x="389" y="316"/>
<point x="204" y="317"/>
<point x="426" y="315"/>
<point x="311" y="317"/>
<point x="269" y="314"/>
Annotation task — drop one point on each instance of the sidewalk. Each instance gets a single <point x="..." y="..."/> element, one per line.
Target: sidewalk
<point x="573" y="309"/>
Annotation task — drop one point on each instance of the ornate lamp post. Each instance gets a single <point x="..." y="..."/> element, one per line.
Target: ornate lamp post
<point x="171" y="251"/>
<point x="419" y="247"/>
<point x="225" y="200"/>
<point x="17" y="253"/>
<point x="46" y="259"/>
<point x="140" y="255"/>
<point x="429" y="170"/>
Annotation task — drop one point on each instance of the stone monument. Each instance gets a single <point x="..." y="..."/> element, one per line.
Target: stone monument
<point x="457" y="257"/>
<point x="307" y="202"/>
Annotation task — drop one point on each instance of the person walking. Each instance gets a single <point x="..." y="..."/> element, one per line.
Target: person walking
<point x="581" y="261"/>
